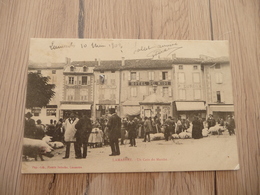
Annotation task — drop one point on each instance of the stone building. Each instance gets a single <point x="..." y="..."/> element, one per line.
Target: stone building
<point x="218" y="87"/>
<point x="78" y="88"/>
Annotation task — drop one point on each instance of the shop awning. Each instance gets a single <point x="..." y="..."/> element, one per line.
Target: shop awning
<point x="131" y="110"/>
<point x="221" y="108"/>
<point x="190" y="106"/>
<point x="75" y="107"/>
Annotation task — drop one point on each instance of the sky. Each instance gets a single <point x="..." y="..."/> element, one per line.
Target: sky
<point x="56" y="50"/>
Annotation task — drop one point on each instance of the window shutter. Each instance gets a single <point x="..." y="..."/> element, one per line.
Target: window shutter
<point x="135" y="91"/>
<point x="75" y="80"/>
<point x="222" y="96"/>
<point x="106" y="79"/>
<point x="160" y="76"/>
<point x="137" y="76"/>
<point x="88" y="80"/>
<point x="67" y="80"/>
<point x="214" y="96"/>
<point x="170" y="91"/>
<point x="150" y="75"/>
<point x="129" y="76"/>
<point x="80" y="80"/>
<point x="169" y="75"/>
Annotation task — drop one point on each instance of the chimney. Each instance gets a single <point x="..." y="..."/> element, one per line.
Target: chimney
<point x="98" y="61"/>
<point x="123" y="61"/>
<point x="68" y="61"/>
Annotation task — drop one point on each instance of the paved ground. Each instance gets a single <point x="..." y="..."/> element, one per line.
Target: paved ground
<point x="209" y="153"/>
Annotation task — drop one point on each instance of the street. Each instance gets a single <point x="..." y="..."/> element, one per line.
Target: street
<point x="209" y="153"/>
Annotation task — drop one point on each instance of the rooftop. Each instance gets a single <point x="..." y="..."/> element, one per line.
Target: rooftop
<point x="131" y="63"/>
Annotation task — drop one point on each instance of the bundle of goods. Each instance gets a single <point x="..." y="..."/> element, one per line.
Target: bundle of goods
<point x="185" y="135"/>
<point x="205" y="132"/>
<point x="175" y="136"/>
<point x="157" y="136"/>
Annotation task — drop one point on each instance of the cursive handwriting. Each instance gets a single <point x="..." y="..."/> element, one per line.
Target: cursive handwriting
<point x="53" y="46"/>
<point x="157" y="52"/>
<point x="147" y="48"/>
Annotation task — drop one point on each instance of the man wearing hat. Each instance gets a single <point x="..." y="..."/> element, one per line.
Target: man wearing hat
<point x="69" y="135"/>
<point x="114" y="129"/>
<point x="211" y="121"/>
<point x="30" y="126"/>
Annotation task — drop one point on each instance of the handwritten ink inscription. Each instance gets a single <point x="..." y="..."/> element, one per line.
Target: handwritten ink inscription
<point x="150" y="51"/>
<point x="54" y="46"/>
<point x="158" y="49"/>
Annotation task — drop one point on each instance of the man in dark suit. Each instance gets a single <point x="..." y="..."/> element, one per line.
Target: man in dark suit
<point x="114" y="129"/>
<point x="83" y="131"/>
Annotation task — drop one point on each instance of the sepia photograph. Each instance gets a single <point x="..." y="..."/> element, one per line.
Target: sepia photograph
<point x="128" y="105"/>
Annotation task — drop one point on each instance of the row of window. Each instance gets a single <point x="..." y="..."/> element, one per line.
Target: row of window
<point x="133" y="76"/>
<point x="72" y="97"/>
<point x="83" y="95"/>
<point x="85" y="68"/>
<point x="82" y="80"/>
<point x="85" y="80"/>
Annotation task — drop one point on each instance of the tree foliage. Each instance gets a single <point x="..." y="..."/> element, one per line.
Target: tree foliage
<point x="39" y="91"/>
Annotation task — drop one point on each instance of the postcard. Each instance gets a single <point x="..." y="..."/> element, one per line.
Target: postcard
<point x="127" y="105"/>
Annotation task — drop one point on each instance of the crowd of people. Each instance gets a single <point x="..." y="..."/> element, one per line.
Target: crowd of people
<point x="84" y="132"/>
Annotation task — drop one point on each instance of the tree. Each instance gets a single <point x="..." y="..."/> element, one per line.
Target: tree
<point x="39" y="91"/>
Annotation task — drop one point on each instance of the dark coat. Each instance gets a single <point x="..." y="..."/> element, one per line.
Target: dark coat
<point x="170" y="125"/>
<point x="131" y="127"/>
<point x="231" y="124"/>
<point x="84" y="128"/>
<point x="29" y="128"/>
<point x="148" y="126"/>
<point x="197" y="129"/>
<point x="211" y="122"/>
<point x="114" y="127"/>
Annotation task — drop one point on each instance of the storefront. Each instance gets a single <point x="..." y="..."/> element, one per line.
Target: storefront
<point x="221" y="110"/>
<point x="104" y="109"/>
<point x="78" y="109"/>
<point x="189" y="109"/>
<point x="155" y="106"/>
<point x="130" y="109"/>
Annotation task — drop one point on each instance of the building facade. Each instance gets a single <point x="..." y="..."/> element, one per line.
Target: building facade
<point x="141" y="87"/>
<point x="78" y="89"/>
<point x="147" y="88"/>
<point x="189" y="98"/>
<point x="218" y="87"/>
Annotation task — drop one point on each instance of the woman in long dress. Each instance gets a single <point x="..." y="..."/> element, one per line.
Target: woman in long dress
<point x="196" y="128"/>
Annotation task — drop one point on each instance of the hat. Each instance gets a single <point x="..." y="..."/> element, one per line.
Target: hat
<point x="28" y="114"/>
